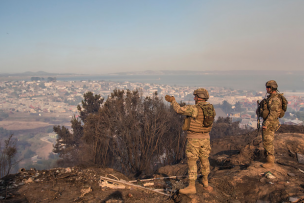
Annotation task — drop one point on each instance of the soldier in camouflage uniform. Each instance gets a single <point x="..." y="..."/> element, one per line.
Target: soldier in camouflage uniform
<point x="271" y="121"/>
<point x="198" y="138"/>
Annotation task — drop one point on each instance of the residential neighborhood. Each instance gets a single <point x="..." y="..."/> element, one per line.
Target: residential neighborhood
<point x="62" y="97"/>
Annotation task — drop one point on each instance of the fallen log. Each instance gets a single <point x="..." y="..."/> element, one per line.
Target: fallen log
<point x="132" y="185"/>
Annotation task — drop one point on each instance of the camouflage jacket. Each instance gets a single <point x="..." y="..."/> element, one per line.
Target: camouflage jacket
<point x="274" y="105"/>
<point x="188" y="110"/>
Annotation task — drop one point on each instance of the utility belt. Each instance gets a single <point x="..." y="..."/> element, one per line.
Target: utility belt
<point x="192" y="135"/>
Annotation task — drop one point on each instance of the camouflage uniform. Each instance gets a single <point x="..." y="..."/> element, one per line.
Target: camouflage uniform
<point x="198" y="144"/>
<point x="272" y="123"/>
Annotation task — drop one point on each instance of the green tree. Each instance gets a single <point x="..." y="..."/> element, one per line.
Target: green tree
<point x="238" y="107"/>
<point x="90" y="105"/>
<point x="226" y="107"/>
<point x="225" y="127"/>
<point x="42" y="85"/>
<point x="68" y="143"/>
<point x="65" y="144"/>
<point x="51" y="79"/>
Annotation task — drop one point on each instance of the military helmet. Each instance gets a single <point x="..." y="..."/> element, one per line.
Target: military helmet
<point x="201" y="93"/>
<point x="271" y="83"/>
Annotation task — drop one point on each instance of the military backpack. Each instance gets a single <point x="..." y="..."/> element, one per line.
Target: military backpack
<point x="284" y="105"/>
<point x="208" y="113"/>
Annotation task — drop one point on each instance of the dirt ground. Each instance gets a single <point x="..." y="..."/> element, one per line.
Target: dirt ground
<point x="72" y="185"/>
<point x="236" y="176"/>
<point x="22" y="125"/>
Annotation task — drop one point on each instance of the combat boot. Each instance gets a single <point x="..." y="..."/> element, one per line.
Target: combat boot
<point x="205" y="184"/>
<point x="270" y="162"/>
<point x="190" y="189"/>
<point x="204" y="181"/>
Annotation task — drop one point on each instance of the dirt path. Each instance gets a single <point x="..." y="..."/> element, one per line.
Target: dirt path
<point x="44" y="151"/>
<point x="22" y="125"/>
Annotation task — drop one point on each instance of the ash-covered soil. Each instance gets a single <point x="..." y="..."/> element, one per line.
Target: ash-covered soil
<point x="73" y="184"/>
<point x="236" y="176"/>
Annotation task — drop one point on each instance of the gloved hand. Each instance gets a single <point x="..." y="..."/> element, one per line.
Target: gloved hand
<point x="169" y="98"/>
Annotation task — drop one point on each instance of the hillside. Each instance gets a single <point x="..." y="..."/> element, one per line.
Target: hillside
<point x="236" y="176"/>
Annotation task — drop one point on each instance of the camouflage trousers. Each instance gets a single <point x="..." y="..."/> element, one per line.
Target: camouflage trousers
<point x="198" y="149"/>
<point x="268" y="137"/>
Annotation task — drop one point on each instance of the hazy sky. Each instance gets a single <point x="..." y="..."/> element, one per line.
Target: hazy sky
<point x="106" y="36"/>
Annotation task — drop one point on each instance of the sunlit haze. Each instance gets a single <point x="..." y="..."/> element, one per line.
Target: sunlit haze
<point x="99" y="37"/>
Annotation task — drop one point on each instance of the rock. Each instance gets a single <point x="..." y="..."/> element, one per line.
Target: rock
<point x="291" y="174"/>
<point x="293" y="199"/>
<point x="68" y="170"/>
<point x="85" y="191"/>
<point x="30" y="180"/>
<point x="222" y="158"/>
<point x="21" y="170"/>
<point x="291" y="153"/>
<point x="2" y="197"/>
<point x="263" y="180"/>
<point x="235" y="201"/>
<point x="300" y="158"/>
<point x="114" y="201"/>
<point x="269" y="175"/>
<point x="262" y="201"/>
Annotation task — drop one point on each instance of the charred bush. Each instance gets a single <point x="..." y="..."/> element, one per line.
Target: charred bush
<point x="224" y="127"/>
<point x="128" y="132"/>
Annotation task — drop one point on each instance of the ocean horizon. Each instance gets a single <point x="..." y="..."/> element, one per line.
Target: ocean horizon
<point x="289" y="83"/>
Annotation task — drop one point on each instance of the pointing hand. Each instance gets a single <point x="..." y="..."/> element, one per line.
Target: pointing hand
<point x="169" y="98"/>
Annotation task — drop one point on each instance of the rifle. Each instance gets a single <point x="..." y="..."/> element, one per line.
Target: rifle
<point x="258" y="115"/>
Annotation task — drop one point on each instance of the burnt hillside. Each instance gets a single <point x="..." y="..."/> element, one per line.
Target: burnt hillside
<point x="236" y="176"/>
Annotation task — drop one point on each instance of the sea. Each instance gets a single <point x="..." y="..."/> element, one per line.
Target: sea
<point x="256" y="82"/>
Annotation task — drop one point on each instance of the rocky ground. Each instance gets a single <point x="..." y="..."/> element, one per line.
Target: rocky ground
<point x="236" y="176"/>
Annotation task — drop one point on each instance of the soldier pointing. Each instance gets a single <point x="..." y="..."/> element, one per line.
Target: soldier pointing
<point x="198" y="124"/>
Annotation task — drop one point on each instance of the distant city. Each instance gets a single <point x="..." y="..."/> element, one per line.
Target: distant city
<point x="31" y="104"/>
<point x="39" y="97"/>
